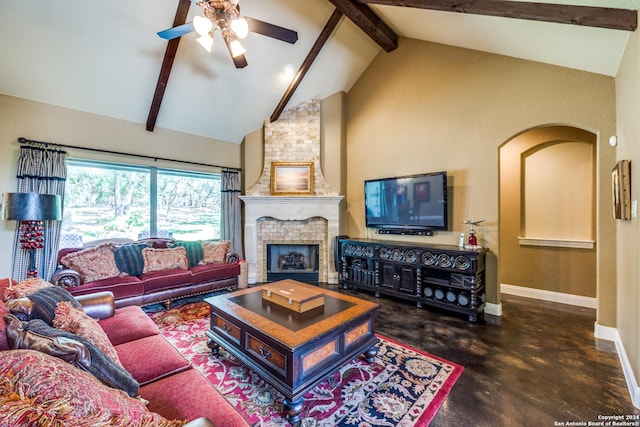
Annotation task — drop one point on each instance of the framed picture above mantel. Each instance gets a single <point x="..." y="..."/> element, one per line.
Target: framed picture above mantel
<point x="291" y="178"/>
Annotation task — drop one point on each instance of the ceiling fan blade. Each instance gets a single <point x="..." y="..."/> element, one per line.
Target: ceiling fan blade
<point x="239" y="61"/>
<point x="271" y="30"/>
<point x="176" y="32"/>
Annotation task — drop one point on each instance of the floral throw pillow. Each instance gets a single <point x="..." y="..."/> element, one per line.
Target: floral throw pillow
<point x="39" y="389"/>
<point x="93" y="264"/>
<point x="72" y="319"/>
<point x="193" y="248"/>
<point x="215" y="252"/>
<point x="25" y="288"/>
<point x="164" y="259"/>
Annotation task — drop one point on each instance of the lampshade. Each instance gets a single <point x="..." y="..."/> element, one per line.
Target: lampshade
<point x="206" y="42"/>
<point x="240" y="26"/>
<point x="237" y="49"/>
<point x="31" y="207"/>
<point x="202" y="25"/>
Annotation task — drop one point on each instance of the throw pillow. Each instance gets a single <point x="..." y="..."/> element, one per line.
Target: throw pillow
<point x="93" y="264"/>
<point x="78" y="351"/>
<point x="4" y="345"/>
<point x="70" y="350"/>
<point x="41" y="304"/>
<point x="26" y="287"/>
<point x="38" y="389"/>
<point x="164" y="259"/>
<point x="215" y="252"/>
<point x="73" y="319"/>
<point x="129" y="258"/>
<point x="4" y="284"/>
<point x="195" y="253"/>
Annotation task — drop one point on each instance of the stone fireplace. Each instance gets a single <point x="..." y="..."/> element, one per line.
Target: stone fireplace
<point x="312" y="219"/>
<point x="290" y="220"/>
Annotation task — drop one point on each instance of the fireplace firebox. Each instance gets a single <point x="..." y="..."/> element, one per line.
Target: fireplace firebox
<point x="293" y="261"/>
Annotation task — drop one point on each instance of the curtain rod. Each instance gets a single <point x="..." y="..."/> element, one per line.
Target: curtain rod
<point x="142" y="156"/>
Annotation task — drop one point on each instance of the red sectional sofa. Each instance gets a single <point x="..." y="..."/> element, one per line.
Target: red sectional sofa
<point x="172" y="387"/>
<point x="132" y="284"/>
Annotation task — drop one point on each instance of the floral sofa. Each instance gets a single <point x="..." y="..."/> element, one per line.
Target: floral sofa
<point x="150" y="270"/>
<point x="47" y="379"/>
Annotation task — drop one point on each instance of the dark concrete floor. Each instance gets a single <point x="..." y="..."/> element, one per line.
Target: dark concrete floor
<point x="537" y="365"/>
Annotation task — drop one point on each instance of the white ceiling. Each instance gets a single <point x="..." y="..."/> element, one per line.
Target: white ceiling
<point x="105" y="58"/>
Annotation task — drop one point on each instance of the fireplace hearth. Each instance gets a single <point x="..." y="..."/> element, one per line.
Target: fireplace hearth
<point x="293" y="261"/>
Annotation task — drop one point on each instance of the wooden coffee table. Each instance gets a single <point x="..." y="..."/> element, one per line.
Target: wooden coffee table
<point x="292" y="351"/>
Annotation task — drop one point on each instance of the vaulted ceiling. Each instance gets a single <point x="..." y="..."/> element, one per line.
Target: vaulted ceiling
<point x="106" y="58"/>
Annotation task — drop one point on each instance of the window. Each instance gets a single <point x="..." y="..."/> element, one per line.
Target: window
<point x="109" y="200"/>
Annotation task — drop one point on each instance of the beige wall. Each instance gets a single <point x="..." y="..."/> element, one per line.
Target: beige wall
<point x="252" y="150"/>
<point x="42" y="122"/>
<point x="428" y="107"/>
<point x="333" y="129"/>
<point x="628" y="232"/>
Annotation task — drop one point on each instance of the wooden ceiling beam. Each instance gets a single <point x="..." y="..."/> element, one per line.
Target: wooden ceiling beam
<point x="369" y="22"/>
<point x="590" y="16"/>
<point x="326" y="32"/>
<point x="167" y="64"/>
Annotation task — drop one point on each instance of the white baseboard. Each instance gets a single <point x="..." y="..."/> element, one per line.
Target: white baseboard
<point x="540" y="294"/>
<point x="605" y="332"/>
<point x="612" y="334"/>
<point x="493" y="309"/>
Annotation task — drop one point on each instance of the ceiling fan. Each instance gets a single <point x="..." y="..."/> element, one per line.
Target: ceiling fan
<point x="224" y="15"/>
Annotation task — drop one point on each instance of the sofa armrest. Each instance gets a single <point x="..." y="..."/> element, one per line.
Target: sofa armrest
<point x="98" y="305"/>
<point x="232" y="258"/>
<point x="200" y="422"/>
<point x="66" y="278"/>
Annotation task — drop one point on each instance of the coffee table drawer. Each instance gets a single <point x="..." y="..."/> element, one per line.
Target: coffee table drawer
<point x="225" y="327"/>
<point x="266" y="353"/>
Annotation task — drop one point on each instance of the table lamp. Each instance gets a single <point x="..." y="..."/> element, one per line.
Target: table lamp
<point x="31" y="210"/>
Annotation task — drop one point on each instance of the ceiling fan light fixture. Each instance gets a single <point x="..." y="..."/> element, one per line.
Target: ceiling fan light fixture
<point x="240" y="26"/>
<point x="206" y="41"/>
<point x="236" y="48"/>
<point x="202" y="25"/>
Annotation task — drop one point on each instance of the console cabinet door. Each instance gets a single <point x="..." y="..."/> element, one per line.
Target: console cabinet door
<point x="408" y="282"/>
<point x="388" y="278"/>
<point x="399" y="278"/>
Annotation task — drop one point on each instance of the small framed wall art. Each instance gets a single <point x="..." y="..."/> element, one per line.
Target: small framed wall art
<point x="291" y="178"/>
<point x="621" y="190"/>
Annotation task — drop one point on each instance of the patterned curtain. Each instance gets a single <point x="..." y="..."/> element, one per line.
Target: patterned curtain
<point x="231" y="221"/>
<point x="40" y="170"/>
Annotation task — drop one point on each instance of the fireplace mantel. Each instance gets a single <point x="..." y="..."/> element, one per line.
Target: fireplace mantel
<point x="290" y="208"/>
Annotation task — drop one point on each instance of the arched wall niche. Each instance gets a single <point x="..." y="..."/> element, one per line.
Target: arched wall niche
<point x="558" y="197"/>
<point x="540" y="170"/>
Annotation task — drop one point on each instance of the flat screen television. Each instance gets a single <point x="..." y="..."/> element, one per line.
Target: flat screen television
<point x="414" y="202"/>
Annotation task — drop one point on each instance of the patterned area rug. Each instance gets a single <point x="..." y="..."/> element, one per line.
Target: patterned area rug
<point x="404" y="387"/>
